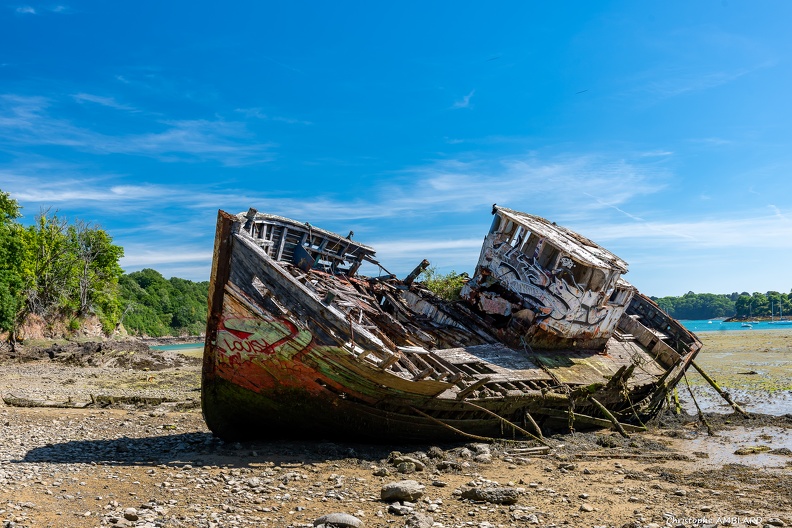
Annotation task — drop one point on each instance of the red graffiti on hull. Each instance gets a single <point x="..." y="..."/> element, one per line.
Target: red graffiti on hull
<point x="258" y="353"/>
<point x="235" y="341"/>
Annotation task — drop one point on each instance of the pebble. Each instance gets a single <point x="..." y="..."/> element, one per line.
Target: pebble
<point x="339" y="520"/>
<point x="409" y="490"/>
<point x="147" y="468"/>
<point x="493" y="494"/>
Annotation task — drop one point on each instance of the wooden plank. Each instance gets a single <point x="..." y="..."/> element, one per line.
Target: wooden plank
<point x="583" y="418"/>
<point x="363" y="373"/>
<point x="506" y="364"/>
<point x="221" y="269"/>
<point x="282" y="243"/>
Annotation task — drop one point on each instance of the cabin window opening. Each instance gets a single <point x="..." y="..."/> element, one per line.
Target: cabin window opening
<point x="526" y="237"/>
<point x="530" y="245"/>
<point x="597" y="281"/>
<point x="495" y="224"/>
<point x="618" y="296"/>
<point x="581" y="274"/>
<point x="517" y="237"/>
<point x="508" y="229"/>
<point x="548" y="256"/>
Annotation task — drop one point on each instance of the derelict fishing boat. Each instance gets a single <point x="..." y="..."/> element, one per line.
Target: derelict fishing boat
<point x="546" y="333"/>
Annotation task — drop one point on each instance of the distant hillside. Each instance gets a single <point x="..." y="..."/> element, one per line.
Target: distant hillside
<point x="740" y="305"/>
<point x="156" y="306"/>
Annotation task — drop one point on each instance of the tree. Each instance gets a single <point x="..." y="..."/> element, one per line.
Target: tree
<point x="60" y="270"/>
<point x="95" y="271"/>
<point x="445" y="286"/>
<point x="11" y="255"/>
<point x="46" y="265"/>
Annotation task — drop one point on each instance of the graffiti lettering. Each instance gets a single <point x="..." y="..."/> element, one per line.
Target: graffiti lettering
<point x="553" y="294"/>
<point x="260" y="338"/>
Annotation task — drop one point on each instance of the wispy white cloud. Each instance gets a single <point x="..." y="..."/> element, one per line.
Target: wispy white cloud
<point x="579" y="184"/>
<point x="581" y="192"/>
<point x="141" y="256"/>
<point x="109" y="102"/>
<point x="26" y="120"/>
<point x="656" y="153"/>
<point x="713" y="141"/>
<point x="682" y="83"/>
<point x="30" y="10"/>
<point x="465" y="101"/>
<point x="737" y="231"/>
<point x="258" y="113"/>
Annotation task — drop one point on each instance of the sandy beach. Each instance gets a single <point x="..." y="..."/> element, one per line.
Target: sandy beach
<point x="139" y="454"/>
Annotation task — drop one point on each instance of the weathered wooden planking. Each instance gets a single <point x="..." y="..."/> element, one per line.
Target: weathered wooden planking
<point x="647" y="370"/>
<point x="506" y="364"/>
<point x="249" y="262"/>
<point x="580" y="367"/>
<point x="362" y="377"/>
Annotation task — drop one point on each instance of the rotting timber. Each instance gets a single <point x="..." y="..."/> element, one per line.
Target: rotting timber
<point x="547" y="333"/>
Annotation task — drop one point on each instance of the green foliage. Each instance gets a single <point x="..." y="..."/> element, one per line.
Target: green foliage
<point x="11" y="254"/>
<point x="56" y="270"/>
<point x="445" y="286"/>
<point x="697" y="306"/>
<point x="709" y="305"/>
<point x="155" y="306"/>
<point x="767" y="304"/>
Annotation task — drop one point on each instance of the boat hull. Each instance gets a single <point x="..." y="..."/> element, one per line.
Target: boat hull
<point x="292" y="352"/>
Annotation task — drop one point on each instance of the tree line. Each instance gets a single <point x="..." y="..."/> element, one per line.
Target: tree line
<point x="741" y="305"/>
<point x="65" y="272"/>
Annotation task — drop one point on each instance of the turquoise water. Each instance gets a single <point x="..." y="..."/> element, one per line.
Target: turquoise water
<point x="178" y="346"/>
<point x="715" y="325"/>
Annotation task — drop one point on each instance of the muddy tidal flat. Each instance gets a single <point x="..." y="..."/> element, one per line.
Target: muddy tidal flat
<point x="128" y="447"/>
<point x="754" y="366"/>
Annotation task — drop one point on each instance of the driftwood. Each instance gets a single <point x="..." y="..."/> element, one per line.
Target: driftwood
<point x="723" y="393"/>
<point x="639" y="456"/>
<point x="523" y="451"/>
<point x="13" y="401"/>
<point x="583" y="418"/>
<point x="99" y="401"/>
<point x="610" y="417"/>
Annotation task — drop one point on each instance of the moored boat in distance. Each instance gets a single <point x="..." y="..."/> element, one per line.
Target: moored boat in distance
<point x="547" y="333"/>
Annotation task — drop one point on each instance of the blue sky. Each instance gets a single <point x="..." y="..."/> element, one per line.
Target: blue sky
<point x="661" y="130"/>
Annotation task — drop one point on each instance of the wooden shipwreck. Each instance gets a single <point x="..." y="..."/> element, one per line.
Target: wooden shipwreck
<point x="547" y="334"/>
